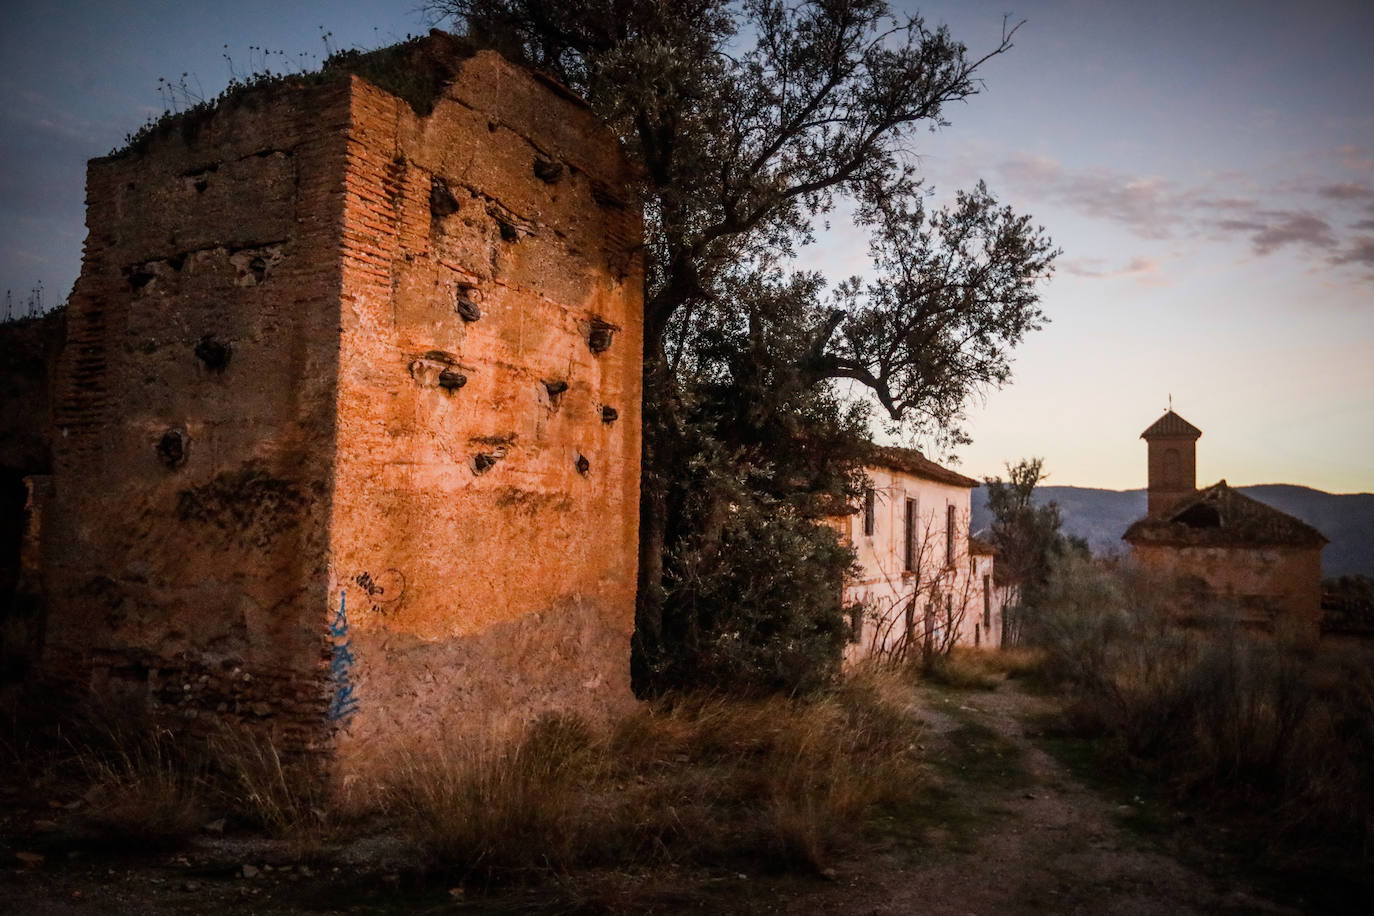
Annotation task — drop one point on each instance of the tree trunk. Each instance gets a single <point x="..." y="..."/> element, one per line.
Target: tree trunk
<point x="656" y="444"/>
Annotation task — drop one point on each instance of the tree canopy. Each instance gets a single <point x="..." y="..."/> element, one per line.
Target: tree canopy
<point x="1027" y="538"/>
<point x="753" y="121"/>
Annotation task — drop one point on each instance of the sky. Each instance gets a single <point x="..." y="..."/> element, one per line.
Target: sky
<point x="1207" y="169"/>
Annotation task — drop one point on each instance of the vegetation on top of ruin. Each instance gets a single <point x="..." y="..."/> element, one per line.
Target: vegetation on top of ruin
<point x="415" y="70"/>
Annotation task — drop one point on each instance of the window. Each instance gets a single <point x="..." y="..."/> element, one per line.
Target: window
<point x="909" y="548"/>
<point x="870" y="522"/>
<point x="856" y="622"/>
<point x="910" y="616"/>
<point x="987" y="602"/>
<point x="949" y="535"/>
<point x="949" y="613"/>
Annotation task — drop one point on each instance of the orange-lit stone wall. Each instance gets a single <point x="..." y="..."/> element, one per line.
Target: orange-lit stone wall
<point x="347" y="421"/>
<point x="487" y="479"/>
<point x="1275" y="587"/>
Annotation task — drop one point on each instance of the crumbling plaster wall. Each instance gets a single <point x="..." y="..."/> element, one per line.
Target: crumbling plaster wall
<point x="348" y="417"/>
<point x="885" y="586"/>
<point x="185" y="548"/>
<point x="487" y="482"/>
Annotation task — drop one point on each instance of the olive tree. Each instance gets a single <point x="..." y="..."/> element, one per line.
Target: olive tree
<point x="753" y="121"/>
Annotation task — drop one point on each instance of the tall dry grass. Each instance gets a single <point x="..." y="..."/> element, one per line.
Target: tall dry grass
<point x="263" y="788"/>
<point x="693" y="779"/>
<point x="702" y="779"/>
<point x="134" y="778"/>
<point x="142" y="785"/>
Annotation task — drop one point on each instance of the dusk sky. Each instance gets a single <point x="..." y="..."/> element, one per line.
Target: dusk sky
<point x="1208" y="170"/>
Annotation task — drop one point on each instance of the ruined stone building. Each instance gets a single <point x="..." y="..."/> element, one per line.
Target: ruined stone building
<point x="346" y="426"/>
<point x="1262" y="563"/>
<point x="923" y="579"/>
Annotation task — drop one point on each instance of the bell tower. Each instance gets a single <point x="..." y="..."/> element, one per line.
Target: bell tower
<point x="1172" y="460"/>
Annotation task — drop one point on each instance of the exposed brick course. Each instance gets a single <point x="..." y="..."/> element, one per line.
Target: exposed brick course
<point x="331" y="454"/>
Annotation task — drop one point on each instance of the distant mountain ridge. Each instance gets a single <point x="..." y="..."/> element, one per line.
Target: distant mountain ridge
<point x="1102" y="516"/>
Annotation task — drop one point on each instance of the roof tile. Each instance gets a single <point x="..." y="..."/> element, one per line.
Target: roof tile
<point x="1171" y="424"/>
<point x="913" y="462"/>
<point x="1220" y="516"/>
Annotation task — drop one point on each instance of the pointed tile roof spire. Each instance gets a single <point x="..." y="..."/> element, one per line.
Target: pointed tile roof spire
<point x="1171" y="425"/>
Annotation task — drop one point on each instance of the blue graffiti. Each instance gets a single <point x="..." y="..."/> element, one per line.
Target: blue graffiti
<point x="344" y="704"/>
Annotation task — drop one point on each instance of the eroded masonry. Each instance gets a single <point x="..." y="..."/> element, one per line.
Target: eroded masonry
<point x="347" y="420"/>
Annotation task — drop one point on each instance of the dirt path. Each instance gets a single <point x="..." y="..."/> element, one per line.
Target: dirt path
<point x="1022" y="836"/>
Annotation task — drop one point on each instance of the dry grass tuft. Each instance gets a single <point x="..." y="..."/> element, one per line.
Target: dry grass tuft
<point x="144" y="785"/>
<point x="966" y="669"/>
<point x="287" y="797"/>
<point x="692" y="779"/>
<point x="1016" y="661"/>
<point x="497" y="806"/>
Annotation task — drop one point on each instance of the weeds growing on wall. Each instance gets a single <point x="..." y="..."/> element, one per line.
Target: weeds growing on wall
<point x="407" y="69"/>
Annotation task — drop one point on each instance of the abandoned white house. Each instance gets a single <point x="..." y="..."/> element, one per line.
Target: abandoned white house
<point x="925" y="584"/>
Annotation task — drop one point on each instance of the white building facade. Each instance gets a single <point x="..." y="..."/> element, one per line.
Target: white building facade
<point x="925" y="585"/>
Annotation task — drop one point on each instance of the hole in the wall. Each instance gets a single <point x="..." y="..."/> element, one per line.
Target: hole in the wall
<point x="491" y="127"/>
<point x="450" y="380"/>
<point x="609" y="414"/>
<point x="176" y="261"/>
<point x="255" y="265"/>
<point x="464" y="305"/>
<point x="201" y="184"/>
<point x="606" y="198"/>
<point x="508" y="231"/>
<point x="442" y="203"/>
<point x="555" y="388"/>
<point x="583" y="465"/>
<point x="213" y="353"/>
<point x="482" y="462"/>
<point x="600" y="336"/>
<point x="548" y="172"/>
<point x="1200" y="516"/>
<point x="139" y="279"/>
<point x="173" y="448"/>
